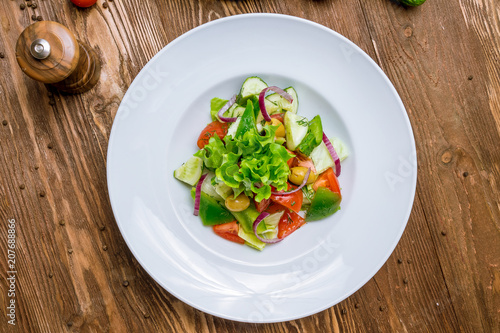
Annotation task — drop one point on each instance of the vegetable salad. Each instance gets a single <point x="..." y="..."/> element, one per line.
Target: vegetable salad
<point x="262" y="170"/>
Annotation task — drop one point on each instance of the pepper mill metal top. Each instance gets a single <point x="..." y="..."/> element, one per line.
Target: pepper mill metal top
<point x="48" y="52"/>
<point x="40" y="49"/>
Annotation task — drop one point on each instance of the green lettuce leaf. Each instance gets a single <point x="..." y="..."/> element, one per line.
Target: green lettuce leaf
<point x="251" y="162"/>
<point x="215" y="105"/>
<point x="212" y="154"/>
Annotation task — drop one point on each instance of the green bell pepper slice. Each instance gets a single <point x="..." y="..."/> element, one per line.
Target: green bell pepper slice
<point x="211" y="211"/>
<point x="324" y="204"/>
<point x="313" y="137"/>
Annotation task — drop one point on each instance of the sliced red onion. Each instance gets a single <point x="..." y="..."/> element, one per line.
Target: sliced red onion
<point x="306" y="177"/>
<point x="226" y="107"/>
<point x="262" y="216"/>
<point x="198" y="195"/>
<point x="332" y="151"/>
<point x="262" y="102"/>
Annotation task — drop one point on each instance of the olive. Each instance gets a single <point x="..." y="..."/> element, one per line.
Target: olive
<point x="241" y="202"/>
<point x="297" y="175"/>
<point x="280" y="131"/>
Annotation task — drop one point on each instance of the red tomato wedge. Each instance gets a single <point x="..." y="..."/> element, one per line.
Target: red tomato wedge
<point x="274" y="208"/>
<point x="262" y="206"/>
<point x="291" y="201"/>
<point x="229" y="231"/>
<point x="289" y="222"/>
<point x="214" y="128"/>
<point x="329" y="180"/>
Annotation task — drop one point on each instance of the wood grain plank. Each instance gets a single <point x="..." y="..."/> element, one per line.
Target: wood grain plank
<point x="455" y="131"/>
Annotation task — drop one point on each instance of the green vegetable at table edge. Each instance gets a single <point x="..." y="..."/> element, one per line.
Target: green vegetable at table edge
<point x="324" y="204"/>
<point x="412" y="3"/>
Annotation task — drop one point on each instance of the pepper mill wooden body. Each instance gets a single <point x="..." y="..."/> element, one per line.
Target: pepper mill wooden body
<point x="48" y="52"/>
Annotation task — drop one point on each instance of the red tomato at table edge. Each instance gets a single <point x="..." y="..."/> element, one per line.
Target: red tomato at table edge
<point x="83" y="3"/>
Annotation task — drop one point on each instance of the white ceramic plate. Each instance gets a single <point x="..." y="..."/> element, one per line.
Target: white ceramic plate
<point x="155" y="131"/>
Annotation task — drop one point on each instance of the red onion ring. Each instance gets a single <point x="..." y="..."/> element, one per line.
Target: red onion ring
<point x="226" y="107"/>
<point x="262" y="216"/>
<point x="262" y="103"/>
<point x="198" y="195"/>
<point x="306" y="177"/>
<point x="333" y="153"/>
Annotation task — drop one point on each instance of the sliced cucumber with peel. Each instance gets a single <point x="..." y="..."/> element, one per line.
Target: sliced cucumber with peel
<point x="231" y="131"/>
<point x="271" y="108"/>
<point x="190" y="172"/>
<point x="295" y="129"/>
<point x="235" y="110"/>
<point x="282" y="104"/>
<point x="251" y="87"/>
<point x="294" y="106"/>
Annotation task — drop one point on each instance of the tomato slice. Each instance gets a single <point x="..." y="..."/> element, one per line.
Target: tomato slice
<point x="275" y="207"/>
<point x="291" y="201"/>
<point x="261" y="206"/>
<point x="229" y="231"/>
<point x="214" y="128"/>
<point x="329" y="180"/>
<point x="289" y="222"/>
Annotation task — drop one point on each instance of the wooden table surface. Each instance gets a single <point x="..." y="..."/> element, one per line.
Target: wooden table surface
<point x="76" y="273"/>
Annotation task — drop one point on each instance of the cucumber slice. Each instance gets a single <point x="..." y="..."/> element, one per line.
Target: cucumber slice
<point x="295" y="129"/>
<point x="251" y="87"/>
<point x="282" y="103"/>
<point x="294" y="106"/>
<point x="190" y="172"/>
<point x="271" y="108"/>
<point x="235" y="110"/>
<point x="276" y="99"/>
<point x="321" y="158"/>
<point x="231" y="131"/>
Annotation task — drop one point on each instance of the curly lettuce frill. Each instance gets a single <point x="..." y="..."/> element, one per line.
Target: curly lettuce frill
<point x="251" y="163"/>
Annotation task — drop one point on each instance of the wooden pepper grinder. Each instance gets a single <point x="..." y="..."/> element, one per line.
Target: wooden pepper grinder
<point x="48" y="52"/>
